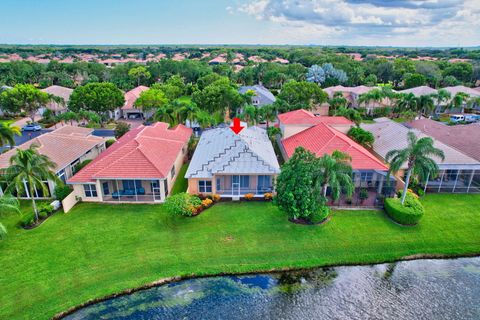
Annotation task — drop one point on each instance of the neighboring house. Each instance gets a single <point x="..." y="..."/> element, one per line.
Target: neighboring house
<point x="420" y="91"/>
<point x="368" y="171"/>
<point x="463" y="137"/>
<point x="457" y="89"/>
<point x="140" y="167"/>
<point x="129" y="111"/>
<point x="293" y="122"/>
<point x="56" y="107"/>
<point x="233" y="165"/>
<point x="459" y="173"/>
<point x="66" y="147"/>
<point x="262" y="96"/>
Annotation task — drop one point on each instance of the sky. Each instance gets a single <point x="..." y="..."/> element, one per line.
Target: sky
<point x="416" y="23"/>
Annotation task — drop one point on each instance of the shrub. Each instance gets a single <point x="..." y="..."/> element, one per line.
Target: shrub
<point x="183" y="204"/>
<point x="363" y="194"/>
<point x="409" y="213"/>
<point x="215" y="197"/>
<point x="44" y="210"/>
<point x="268" y="196"/>
<point x="207" y="203"/>
<point x="27" y="220"/>
<point x="82" y="165"/>
<point x="109" y="142"/>
<point x="62" y="191"/>
<point x="420" y="192"/>
<point x="121" y="129"/>
<point x="319" y="215"/>
<point x="249" y="196"/>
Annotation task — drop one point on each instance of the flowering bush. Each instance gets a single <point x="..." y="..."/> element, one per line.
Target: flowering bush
<point x="249" y="196"/>
<point x="183" y="204"/>
<point x="207" y="203"/>
<point x="215" y="197"/>
<point x="268" y="196"/>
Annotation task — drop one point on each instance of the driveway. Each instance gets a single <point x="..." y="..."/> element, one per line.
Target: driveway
<point x="26" y="136"/>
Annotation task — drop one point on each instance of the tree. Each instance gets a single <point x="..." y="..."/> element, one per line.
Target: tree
<point x="417" y="155"/>
<point x="151" y="100"/>
<point x="139" y="73"/>
<point x="250" y="114"/>
<point x="459" y="100"/>
<point x="350" y="114"/>
<point x="450" y="81"/>
<point x="24" y="97"/>
<point x="462" y="71"/>
<point x="174" y="87"/>
<point x="121" y="128"/>
<point x="375" y="96"/>
<point x="406" y="102"/>
<point x="27" y="172"/>
<point x="8" y="203"/>
<point x="298" y="192"/>
<point x="188" y="111"/>
<point x="7" y="134"/>
<point x="100" y="98"/>
<point x="326" y="75"/>
<point x="338" y="101"/>
<point x="361" y="136"/>
<point x="267" y="113"/>
<point x="370" y="80"/>
<point x="414" y="80"/>
<point x="335" y="171"/>
<point x="442" y="96"/>
<point x="302" y="94"/>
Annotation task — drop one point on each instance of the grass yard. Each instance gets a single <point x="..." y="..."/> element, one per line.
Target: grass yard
<point x="99" y="249"/>
<point x="181" y="184"/>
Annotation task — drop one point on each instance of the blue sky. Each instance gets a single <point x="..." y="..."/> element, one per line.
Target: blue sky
<point x="323" y="22"/>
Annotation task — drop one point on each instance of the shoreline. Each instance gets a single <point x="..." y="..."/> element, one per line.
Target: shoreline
<point x="167" y="280"/>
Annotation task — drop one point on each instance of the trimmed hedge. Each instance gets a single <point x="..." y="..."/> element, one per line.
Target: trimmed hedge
<point x="320" y="215"/>
<point x="409" y="213"/>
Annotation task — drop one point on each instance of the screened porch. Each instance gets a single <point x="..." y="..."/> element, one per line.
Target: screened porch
<point x="237" y="185"/>
<point x="133" y="190"/>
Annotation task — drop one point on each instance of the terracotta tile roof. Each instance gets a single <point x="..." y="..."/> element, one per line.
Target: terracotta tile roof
<point x="132" y="96"/>
<point x="147" y="152"/>
<point x="61" y="92"/>
<point x="322" y="139"/>
<point x="465" y="138"/>
<point x="302" y="116"/>
<point x="63" y="146"/>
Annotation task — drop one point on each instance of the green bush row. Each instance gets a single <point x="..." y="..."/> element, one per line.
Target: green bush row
<point x="409" y="213"/>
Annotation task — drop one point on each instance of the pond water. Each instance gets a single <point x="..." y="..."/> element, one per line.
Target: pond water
<point x="421" y="289"/>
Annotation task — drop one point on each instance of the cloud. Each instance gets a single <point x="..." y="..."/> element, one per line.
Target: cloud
<point x="403" y="22"/>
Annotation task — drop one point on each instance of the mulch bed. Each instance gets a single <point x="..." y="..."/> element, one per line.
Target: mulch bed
<point x="309" y="223"/>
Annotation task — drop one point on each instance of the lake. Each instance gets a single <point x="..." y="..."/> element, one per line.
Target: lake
<point x="420" y="289"/>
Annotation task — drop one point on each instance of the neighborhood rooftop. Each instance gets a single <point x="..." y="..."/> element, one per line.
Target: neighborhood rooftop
<point x="132" y="96"/>
<point x="465" y="138"/>
<point x="305" y="117"/>
<point x="322" y="139"/>
<point x="390" y="135"/>
<point x="222" y="151"/>
<point x="263" y="95"/>
<point x="147" y="152"/>
<point x="62" y="145"/>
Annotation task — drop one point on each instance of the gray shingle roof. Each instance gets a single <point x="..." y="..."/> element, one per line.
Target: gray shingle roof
<point x="390" y="135"/>
<point x="264" y="96"/>
<point x="222" y="151"/>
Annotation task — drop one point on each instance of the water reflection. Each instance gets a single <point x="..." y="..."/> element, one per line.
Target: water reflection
<point x="422" y="289"/>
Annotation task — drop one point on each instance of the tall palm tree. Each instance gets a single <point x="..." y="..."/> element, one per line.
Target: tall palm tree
<point x="8" y="133"/>
<point x="375" y="95"/>
<point x="268" y="113"/>
<point x="250" y="114"/>
<point x="165" y="113"/>
<point x="335" y="171"/>
<point x="406" y="102"/>
<point x="338" y="101"/>
<point x="426" y="105"/>
<point x="459" y="100"/>
<point x="28" y="170"/>
<point x="441" y="97"/>
<point x="417" y="155"/>
<point x="188" y="111"/>
<point x="8" y="203"/>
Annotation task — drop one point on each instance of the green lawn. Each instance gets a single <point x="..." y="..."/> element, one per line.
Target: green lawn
<point x="98" y="249"/>
<point x="181" y="184"/>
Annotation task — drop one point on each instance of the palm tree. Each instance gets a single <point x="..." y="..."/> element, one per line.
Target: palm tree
<point x="338" y="101"/>
<point x="459" y="100"/>
<point x="442" y="96"/>
<point x="205" y="119"/>
<point x="268" y="113"/>
<point x="28" y="170"/>
<point x="426" y="105"/>
<point x="417" y="155"/>
<point x="7" y="203"/>
<point x="7" y="134"/>
<point x="188" y="111"/>
<point x="406" y="102"/>
<point x="335" y="172"/>
<point x="250" y="114"/>
<point x="375" y="95"/>
<point x="165" y="113"/>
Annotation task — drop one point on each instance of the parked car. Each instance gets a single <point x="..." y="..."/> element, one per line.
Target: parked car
<point x="32" y="127"/>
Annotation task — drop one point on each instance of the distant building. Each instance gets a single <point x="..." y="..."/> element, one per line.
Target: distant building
<point x="61" y="92"/>
<point x="262" y="96"/>
<point x="129" y="111"/>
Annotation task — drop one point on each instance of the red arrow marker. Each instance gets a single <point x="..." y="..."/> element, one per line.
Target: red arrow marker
<point x="236" y="126"/>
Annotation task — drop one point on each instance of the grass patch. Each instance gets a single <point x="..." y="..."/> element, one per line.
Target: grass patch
<point x="181" y="184"/>
<point x="98" y="249"/>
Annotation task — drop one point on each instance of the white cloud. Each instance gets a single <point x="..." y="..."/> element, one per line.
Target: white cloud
<point x="371" y="22"/>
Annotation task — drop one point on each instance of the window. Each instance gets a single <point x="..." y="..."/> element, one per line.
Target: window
<point x="106" y="189"/>
<point x="204" y="186"/>
<point x="366" y="176"/>
<point x="165" y="185"/>
<point x="61" y="176"/>
<point x="172" y="172"/>
<point x="154" y="185"/>
<point x="219" y="184"/>
<point x="244" y="182"/>
<point x="131" y="184"/>
<point x="264" y="183"/>
<point x="90" y="190"/>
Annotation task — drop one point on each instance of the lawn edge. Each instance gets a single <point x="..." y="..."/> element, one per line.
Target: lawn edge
<point x="167" y="280"/>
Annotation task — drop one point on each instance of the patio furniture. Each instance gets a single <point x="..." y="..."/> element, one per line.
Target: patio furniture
<point x="127" y="193"/>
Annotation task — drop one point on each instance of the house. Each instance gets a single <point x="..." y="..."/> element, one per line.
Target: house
<point x="233" y="165"/>
<point x="140" y="167"/>
<point x="352" y="95"/>
<point x="293" y="122"/>
<point x="420" y="91"/>
<point x="129" y="111"/>
<point x="66" y="146"/>
<point x="465" y="138"/>
<point x="459" y="173"/>
<point x="61" y="92"/>
<point x="262" y="96"/>
<point x="322" y="138"/>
